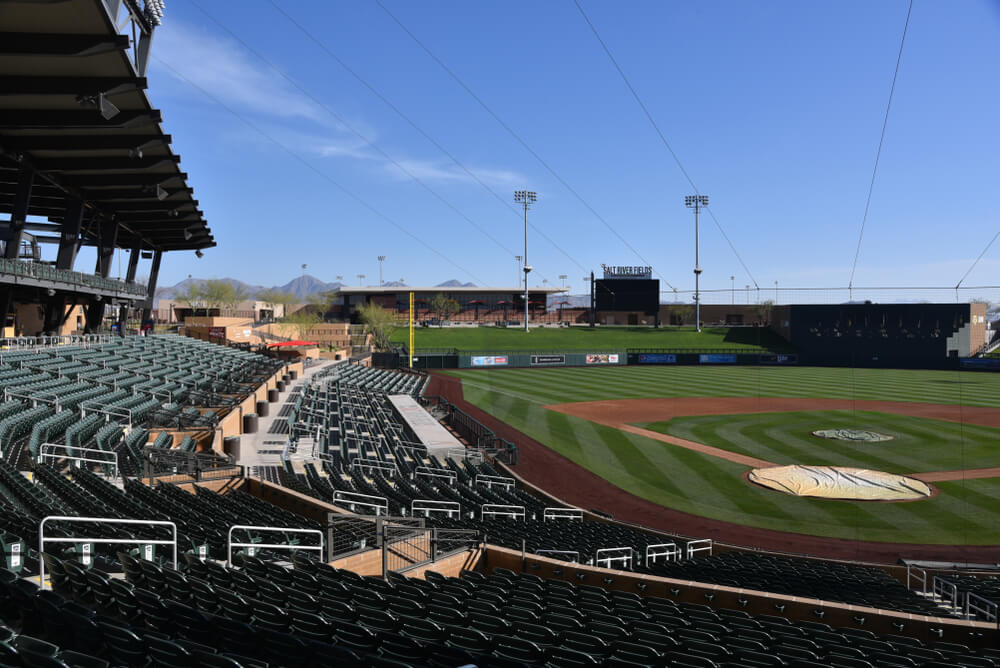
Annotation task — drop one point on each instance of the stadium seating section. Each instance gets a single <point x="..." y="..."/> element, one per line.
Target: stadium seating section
<point x="127" y="605"/>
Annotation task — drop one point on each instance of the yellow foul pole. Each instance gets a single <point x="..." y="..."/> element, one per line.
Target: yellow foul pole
<point x="411" y="330"/>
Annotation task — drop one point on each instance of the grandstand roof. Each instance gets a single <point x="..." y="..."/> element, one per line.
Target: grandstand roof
<point x="65" y="71"/>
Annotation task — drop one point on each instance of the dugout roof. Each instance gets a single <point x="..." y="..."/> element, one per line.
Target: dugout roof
<point x="73" y="108"/>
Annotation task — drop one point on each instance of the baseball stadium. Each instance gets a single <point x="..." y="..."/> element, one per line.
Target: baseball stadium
<point x="485" y="475"/>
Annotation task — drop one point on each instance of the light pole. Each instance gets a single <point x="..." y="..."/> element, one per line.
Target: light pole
<point x="361" y="280"/>
<point x="562" y="277"/>
<point x="381" y="259"/>
<point x="303" y="270"/>
<point x="776" y="292"/>
<point x="732" y="284"/>
<point x="340" y="279"/>
<point x="748" y="294"/>
<point x="696" y="202"/>
<point x="518" y="258"/>
<point x="525" y="198"/>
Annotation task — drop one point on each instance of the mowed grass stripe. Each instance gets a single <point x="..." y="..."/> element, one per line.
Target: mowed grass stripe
<point x="588" y="384"/>
<point x="919" y="444"/>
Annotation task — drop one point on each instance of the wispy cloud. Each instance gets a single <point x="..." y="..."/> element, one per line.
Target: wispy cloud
<point x="221" y="66"/>
<point x="435" y="171"/>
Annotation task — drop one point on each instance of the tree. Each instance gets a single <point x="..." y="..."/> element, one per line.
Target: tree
<point x="443" y="306"/>
<point x="764" y="311"/>
<point x="189" y="295"/>
<point x="680" y="313"/>
<point x="301" y="322"/>
<point x="277" y="298"/>
<point x="237" y="295"/>
<point x="378" y="322"/>
<point x="215" y="293"/>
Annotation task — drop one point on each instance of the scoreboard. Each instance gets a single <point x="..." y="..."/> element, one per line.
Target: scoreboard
<point x="627" y="294"/>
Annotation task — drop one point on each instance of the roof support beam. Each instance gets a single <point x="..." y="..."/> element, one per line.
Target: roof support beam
<point x="60" y="44"/>
<point x="62" y="143"/>
<point x="29" y="119"/>
<point x="18" y="85"/>
<point x="154" y="274"/>
<point x="69" y="239"/>
<point x="19" y="212"/>
<point x="133" y="262"/>
<point x="102" y="164"/>
<point x="106" y="247"/>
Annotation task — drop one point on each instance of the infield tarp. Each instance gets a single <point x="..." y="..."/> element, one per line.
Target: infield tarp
<point x="839" y="482"/>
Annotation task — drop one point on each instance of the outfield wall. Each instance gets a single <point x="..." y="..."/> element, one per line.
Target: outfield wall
<point x="633" y="356"/>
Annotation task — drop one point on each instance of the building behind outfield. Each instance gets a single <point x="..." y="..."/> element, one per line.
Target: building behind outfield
<point x="883" y="335"/>
<point x="474" y="303"/>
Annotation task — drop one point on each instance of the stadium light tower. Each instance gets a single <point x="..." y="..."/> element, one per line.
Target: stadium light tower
<point x="361" y="280"/>
<point x="563" y="277"/>
<point x="732" y="286"/>
<point x="696" y="202"/>
<point x="381" y="259"/>
<point x="526" y="198"/>
<point x="518" y="258"/>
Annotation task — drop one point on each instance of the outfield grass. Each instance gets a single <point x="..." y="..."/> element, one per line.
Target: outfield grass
<point x="964" y="512"/>
<point x="918" y="445"/>
<point x="599" y="339"/>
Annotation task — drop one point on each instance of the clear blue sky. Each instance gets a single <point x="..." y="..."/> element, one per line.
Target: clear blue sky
<point x="774" y="109"/>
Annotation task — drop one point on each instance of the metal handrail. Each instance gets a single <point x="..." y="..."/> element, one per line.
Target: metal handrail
<point x="105" y="541"/>
<point x="696" y="546"/>
<point x="554" y="513"/>
<point x="918" y="574"/>
<point x="669" y="551"/>
<point x="492" y="481"/>
<point x="365" y="500"/>
<point x="43" y="455"/>
<point x="431" y="472"/>
<point x="987" y="609"/>
<point x="271" y="546"/>
<point x="428" y="506"/>
<point x="606" y="555"/>
<point x="493" y="509"/>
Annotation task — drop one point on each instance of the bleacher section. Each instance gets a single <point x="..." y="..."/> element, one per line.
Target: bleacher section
<point x="96" y="397"/>
<point x="268" y="614"/>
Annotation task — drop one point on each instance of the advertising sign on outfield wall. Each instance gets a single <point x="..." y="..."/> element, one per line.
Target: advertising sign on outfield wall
<point x="717" y="359"/>
<point x="489" y="360"/>
<point x="548" y="360"/>
<point x="602" y="358"/>
<point x="657" y="358"/>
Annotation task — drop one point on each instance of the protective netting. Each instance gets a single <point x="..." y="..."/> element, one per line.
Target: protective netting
<point x="840" y="482"/>
<point x="861" y="435"/>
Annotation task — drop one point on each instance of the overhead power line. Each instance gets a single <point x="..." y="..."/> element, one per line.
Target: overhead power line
<point x="357" y="198"/>
<point x="966" y="274"/>
<point x="517" y="137"/>
<point x="663" y="139"/>
<point x="881" y="139"/>
<point x="350" y="128"/>
<point x="505" y="201"/>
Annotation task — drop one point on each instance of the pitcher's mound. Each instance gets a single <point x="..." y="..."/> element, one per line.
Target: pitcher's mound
<point x="840" y="482"/>
<point x="862" y="435"/>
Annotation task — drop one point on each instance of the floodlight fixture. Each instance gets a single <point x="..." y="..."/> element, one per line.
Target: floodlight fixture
<point x="161" y="192"/>
<point x="198" y="254"/>
<point x="188" y="234"/>
<point x="525" y="198"/>
<point x="696" y="202"/>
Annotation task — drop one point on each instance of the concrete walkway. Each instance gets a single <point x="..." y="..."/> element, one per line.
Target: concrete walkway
<point x="265" y="449"/>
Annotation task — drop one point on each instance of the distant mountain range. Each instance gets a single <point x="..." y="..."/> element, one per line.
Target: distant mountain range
<point x="301" y="286"/>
